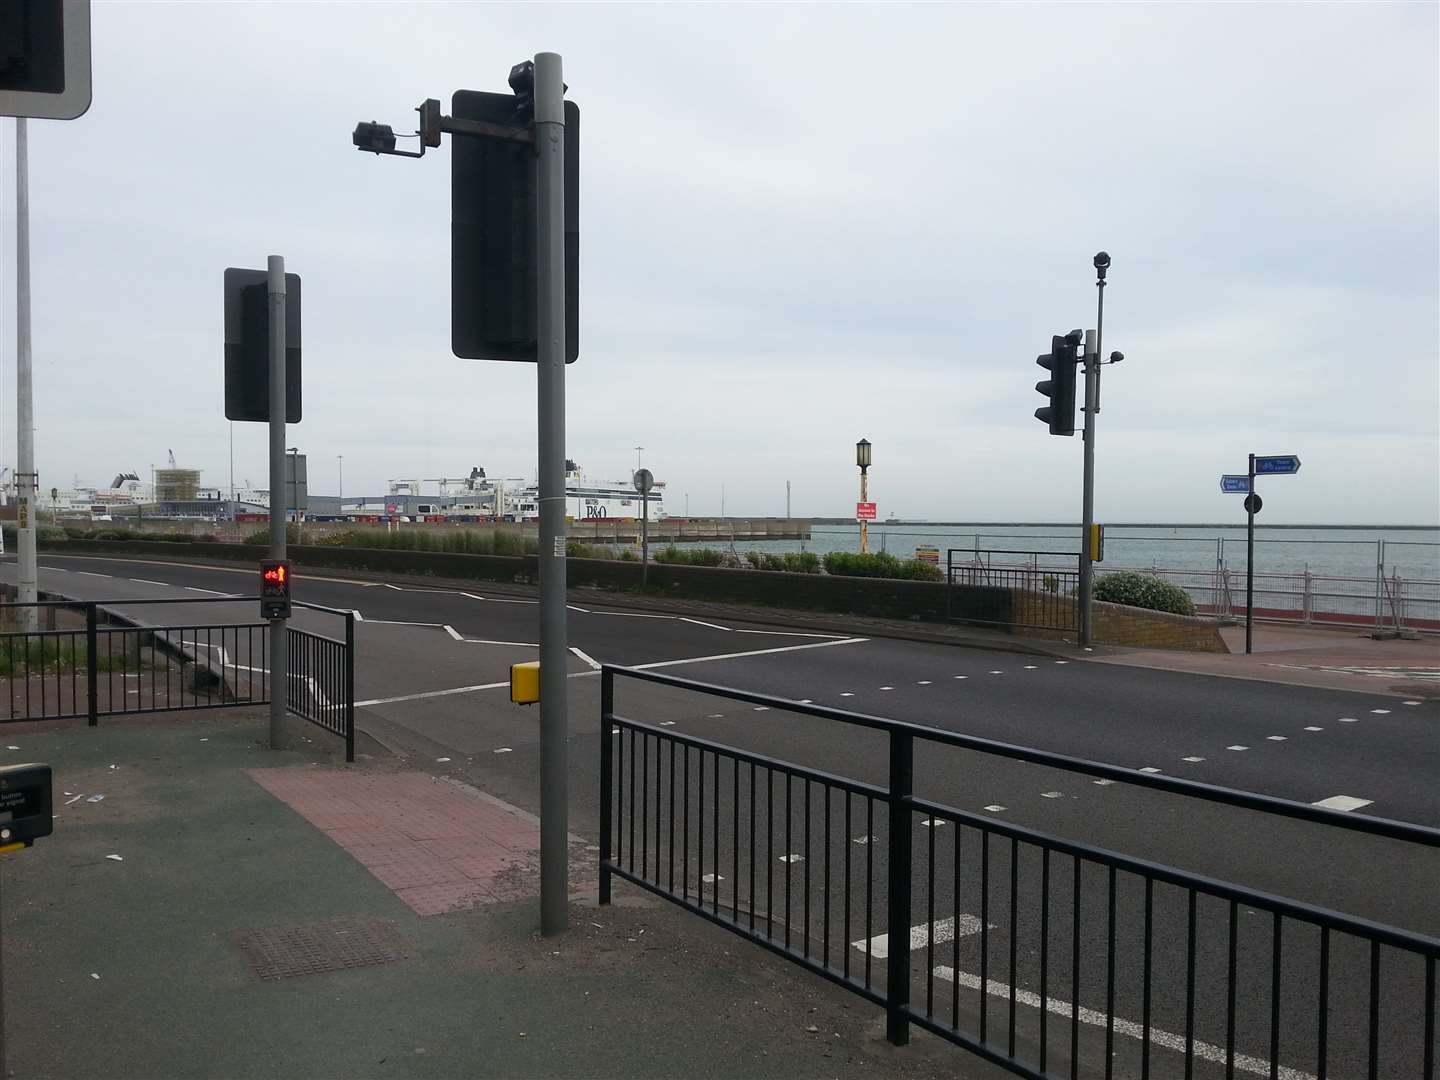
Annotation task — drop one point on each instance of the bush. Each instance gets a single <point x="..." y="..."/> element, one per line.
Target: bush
<point x="691" y="556"/>
<point x="1140" y="590"/>
<point x="790" y="562"/>
<point x="880" y="564"/>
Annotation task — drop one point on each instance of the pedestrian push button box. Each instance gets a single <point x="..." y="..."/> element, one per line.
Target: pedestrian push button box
<point x="525" y="683"/>
<point x="25" y="813"/>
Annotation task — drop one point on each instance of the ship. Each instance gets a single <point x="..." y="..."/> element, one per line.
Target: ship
<point x="519" y="500"/>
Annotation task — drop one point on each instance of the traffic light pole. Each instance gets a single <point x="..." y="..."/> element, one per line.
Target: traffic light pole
<point x="1087" y="512"/>
<point x="550" y="366"/>
<point x="279" y="678"/>
<point x="1250" y="557"/>
<point x="25" y="480"/>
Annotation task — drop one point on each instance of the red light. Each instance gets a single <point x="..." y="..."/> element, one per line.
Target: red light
<point x="275" y="575"/>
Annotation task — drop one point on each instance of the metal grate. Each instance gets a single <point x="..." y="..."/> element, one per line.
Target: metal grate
<point x="287" y="952"/>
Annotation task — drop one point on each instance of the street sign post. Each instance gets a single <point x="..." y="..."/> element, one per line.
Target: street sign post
<point x="1277" y="464"/>
<point x="1231" y="484"/>
<point x="1260" y="464"/>
<point x="644" y="481"/>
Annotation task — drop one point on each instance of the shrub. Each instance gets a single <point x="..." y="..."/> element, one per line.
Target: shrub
<point x="880" y="564"/>
<point x="690" y="556"/>
<point x="1142" y="591"/>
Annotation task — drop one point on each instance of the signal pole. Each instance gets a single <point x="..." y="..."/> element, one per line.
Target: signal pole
<point x="1092" y="406"/>
<point x="26" y="482"/>
<point x="279" y="677"/>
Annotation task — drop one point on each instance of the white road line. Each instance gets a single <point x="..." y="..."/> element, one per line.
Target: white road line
<point x="1062" y="661"/>
<point x="923" y="682"/>
<point x="721" y="715"/>
<point x="887" y="688"/>
<point x="752" y="652"/>
<point x="624" y="614"/>
<point x="514" y="644"/>
<point x="1052" y="794"/>
<point x="472" y="596"/>
<point x="590" y="660"/>
<point x="452" y="632"/>
<point x="933" y="823"/>
<point x="1412" y="703"/>
<point x="502" y="750"/>
<point x="862" y="840"/>
<point x="1276" y="738"/>
<point x="208" y="592"/>
<point x="667" y="723"/>
<point x="762" y="708"/>
<point x="1030" y="667"/>
<point x="710" y="879"/>
<point x="791" y="858"/>
<point x="433" y="694"/>
<point x="91" y="573"/>
<point x="788" y="633"/>
<point x="1150" y="769"/>
<point x="1348" y="719"/>
<point x="1237" y="748"/>
<point x="944" y="930"/>
<point x="1343" y="802"/>
<point x="995" y="808"/>
<point x="1381" y="712"/>
<point x="997" y="673"/>
<point x="962" y="676"/>
<point x="356" y="613"/>
<point x="802" y="701"/>
<point x="147" y="581"/>
<point x="381" y="585"/>
<point x="1102" y="783"/>
<point x="1312" y="728"/>
<point x="846" y="693"/>
<point x="1192" y="760"/>
<point x="582" y="610"/>
<point x="698" y="622"/>
<point x="1130" y="1028"/>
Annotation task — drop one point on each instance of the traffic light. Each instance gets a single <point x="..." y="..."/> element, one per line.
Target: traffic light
<point x="247" y="346"/>
<point x="492" y="232"/>
<point x="45" y="58"/>
<point x="274" y="589"/>
<point x="1060" y="361"/>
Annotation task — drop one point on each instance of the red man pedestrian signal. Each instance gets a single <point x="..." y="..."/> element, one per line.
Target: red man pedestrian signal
<point x="274" y="589"/>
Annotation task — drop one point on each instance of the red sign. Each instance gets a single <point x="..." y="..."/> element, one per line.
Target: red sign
<point x="864" y="511"/>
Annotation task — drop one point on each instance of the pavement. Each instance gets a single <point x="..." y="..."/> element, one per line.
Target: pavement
<point x="227" y="910"/>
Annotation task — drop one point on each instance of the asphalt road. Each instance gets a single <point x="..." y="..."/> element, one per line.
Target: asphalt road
<point x="429" y="668"/>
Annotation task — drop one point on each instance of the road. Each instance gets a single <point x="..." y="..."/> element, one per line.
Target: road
<point x="431" y="669"/>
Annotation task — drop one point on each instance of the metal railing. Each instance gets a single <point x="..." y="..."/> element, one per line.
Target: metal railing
<point x="105" y="665"/>
<point x="1012" y="592"/>
<point x="1001" y="910"/>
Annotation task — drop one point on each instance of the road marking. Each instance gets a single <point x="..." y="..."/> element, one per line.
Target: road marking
<point x="962" y="676"/>
<point x="356" y="613"/>
<point x="1052" y="794"/>
<point x="762" y="708"/>
<point x="196" y="588"/>
<point x="791" y="858"/>
<point x="994" y="808"/>
<point x="933" y="823"/>
<point x="1130" y="1028"/>
<point x="753" y="652"/>
<point x="667" y="723"/>
<point x="91" y="573"/>
<point x="1192" y="760"/>
<point x="846" y="693"/>
<point x="1412" y="703"/>
<point x="452" y="632"/>
<point x="1312" y="728"/>
<point x="1150" y="769"/>
<point x="1345" y="803"/>
<point x="146" y="581"/>
<point x="710" y="879"/>
<point x="721" y="715"/>
<point x="1348" y="719"/>
<point x="787" y="633"/>
<point x="805" y="701"/>
<point x="997" y="673"/>
<point x="944" y="931"/>
<point x="887" y="688"/>
<point x="1030" y="667"/>
<point x="445" y="693"/>
<point x="594" y="664"/>
<point x="1381" y="712"/>
<point x="381" y="585"/>
<point x="1275" y="738"/>
<point x="572" y="607"/>
<point x="1062" y="661"/>
<point x="1237" y="748"/>
<point x="923" y="682"/>
<point x="503" y="750"/>
<point x="472" y="596"/>
<point x="698" y="622"/>
<point x="1102" y="783"/>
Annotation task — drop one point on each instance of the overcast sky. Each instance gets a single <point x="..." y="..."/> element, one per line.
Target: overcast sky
<point x="800" y="225"/>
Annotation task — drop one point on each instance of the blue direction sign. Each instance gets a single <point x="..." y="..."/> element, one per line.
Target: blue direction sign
<point x="1235" y="485"/>
<point x="1277" y="463"/>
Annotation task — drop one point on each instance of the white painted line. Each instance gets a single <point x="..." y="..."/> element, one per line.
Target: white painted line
<point x="1312" y="728"/>
<point x="887" y="688"/>
<point x="472" y="596"/>
<point x="1412" y="703"/>
<point x="207" y="592"/>
<point x="91" y="573"/>
<point x="667" y="723"/>
<point x="403" y="622"/>
<point x="923" y="682"/>
<point x="623" y="614"/>
<point x="994" y="808"/>
<point x="788" y="633"/>
<point x="507" y="750"/>
<point x="933" y="823"/>
<point x="962" y="676"/>
<point x="791" y="858"/>
<point x="586" y="657"/>
<point x="1062" y="661"/>
<point x="1052" y="794"/>
<point x="711" y="625"/>
<point x="805" y="701"/>
<point x="146" y="581"/>
<point x="1342" y="802"/>
<point x="752" y="652"/>
<point x="1130" y="1028"/>
<point x="513" y="644"/>
<point x="432" y="694"/>
<point x="1381" y="712"/>
<point x="846" y="693"/>
<point x="944" y="931"/>
<point x="356" y="613"/>
<point x="1102" y="783"/>
<point x="863" y="840"/>
<point x="572" y="607"/>
<point x="710" y="879"/>
<point x="452" y="632"/>
<point x="762" y="708"/>
<point x="1150" y="769"/>
<point x="1237" y="748"/>
<point x="1276" y="738"/>
<point x="997" y="673"/>
<point x="721" y="715"/>
<point x="1192" y="760"/>
<point x="1348" y="719"/>
<point x="1030" y="667"/>
<point x="381" y="585"/>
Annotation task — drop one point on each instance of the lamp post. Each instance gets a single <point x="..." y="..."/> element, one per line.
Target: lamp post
<point x="862" y="459"/>
<point x="340" y="484"/>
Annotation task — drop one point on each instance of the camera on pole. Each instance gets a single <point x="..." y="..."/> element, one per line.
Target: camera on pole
<point x="1060" y="361"/>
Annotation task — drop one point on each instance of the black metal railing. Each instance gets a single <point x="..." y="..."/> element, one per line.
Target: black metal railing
<point x="104" y="665"/>
<point x="1037" y="951"/>
<point x="1035" y="590"/>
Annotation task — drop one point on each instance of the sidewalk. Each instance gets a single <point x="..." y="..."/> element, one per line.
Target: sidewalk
<point x="227" y="910"/>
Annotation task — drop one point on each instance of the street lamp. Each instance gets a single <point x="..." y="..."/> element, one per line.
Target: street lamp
<point x="340" y="460"/>
<point x="862" y="459"/>
<point x="292" y="505"/>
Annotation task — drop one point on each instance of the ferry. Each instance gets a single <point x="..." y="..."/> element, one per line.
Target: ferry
<point x="590" y="500"/>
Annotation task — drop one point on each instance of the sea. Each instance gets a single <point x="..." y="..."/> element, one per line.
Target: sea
<point x="1412" y="553"/>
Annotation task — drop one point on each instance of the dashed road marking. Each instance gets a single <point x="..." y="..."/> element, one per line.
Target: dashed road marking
<point x="1381" y="712"/>
<point x="507" y="750"/>
<point x="1193" y="760"/>
<point x="944" y="930"/>
<point x="1052" y="794"/>
<point x="995" y="808"/>
<point x="1312" y="727"/>
<point x="997" y="673"/>
<point x="147" y="581"/>
<point x="91" y="573"/>
<point x="710" y="879"/>
<point x="846" y="693"/>
<point x="1237" y="748"/>
<point x="1412" y="703"/>
<point x="762" y="708"/>
<point x="711" y="625"/>
<point x="791" y="858"/>
<point x="923" y="682"/>
<point x="933" y="823"/>
<point x="1276" y="738"/>
<point x="862" y="840"/>
<point x="1062" y="661"/>
<point x="1347" y="719"/>
<point x="887" y="688"/>
<point x="1150" y="769"/>
<point x="962" y="676"/>
<point x="1030" y="667"/>
<point x="667" y="723"/>
<point x="1345" y="803"/>
<point x="721" y="715"/>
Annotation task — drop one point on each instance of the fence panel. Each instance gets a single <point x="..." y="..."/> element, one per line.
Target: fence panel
<point x="1035" y="590"/>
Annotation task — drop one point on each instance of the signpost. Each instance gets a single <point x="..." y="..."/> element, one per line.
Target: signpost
<point x="1232" y="484"/>
<point x="644" y="481"/>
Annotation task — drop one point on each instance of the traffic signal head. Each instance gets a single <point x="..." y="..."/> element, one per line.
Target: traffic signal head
<point x="247" y="346"/>
<point x="377" y="138"/>
<point x="1060" y="361"/>
<point x="45" y="58"/>
<point x="274" y="589"/>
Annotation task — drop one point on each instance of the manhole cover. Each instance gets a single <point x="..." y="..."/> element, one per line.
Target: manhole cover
<point x="285" y="952"/>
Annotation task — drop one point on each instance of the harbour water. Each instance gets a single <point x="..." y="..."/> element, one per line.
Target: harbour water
<point x="1412" y="553"/>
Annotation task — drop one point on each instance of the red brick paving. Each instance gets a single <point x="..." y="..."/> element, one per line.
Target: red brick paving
<point x="437" y="845"/>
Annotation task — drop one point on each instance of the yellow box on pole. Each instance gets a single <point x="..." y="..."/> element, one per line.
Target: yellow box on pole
<point x="525" y="683"/>
<point x="1097" y="543"/>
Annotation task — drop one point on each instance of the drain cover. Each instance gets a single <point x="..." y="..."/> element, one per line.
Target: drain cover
<point x="285" y="952"/>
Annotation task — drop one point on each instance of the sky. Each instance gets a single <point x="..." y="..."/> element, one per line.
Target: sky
<point x="800" y="225"/>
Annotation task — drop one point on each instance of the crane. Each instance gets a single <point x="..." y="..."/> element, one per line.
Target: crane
<point x="172" y="458"/>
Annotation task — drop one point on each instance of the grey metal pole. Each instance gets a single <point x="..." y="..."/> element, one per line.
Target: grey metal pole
<point x="1249" y="559"/>
<point x="1087" y="511"/>
<point x="279" y="679"/>
<point x="644" y="538"/>
<point x="550" y="334"/>
<point x="25" y="479"/>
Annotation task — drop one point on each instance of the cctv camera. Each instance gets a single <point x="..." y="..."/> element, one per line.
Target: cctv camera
<point x="1102" y="261"/>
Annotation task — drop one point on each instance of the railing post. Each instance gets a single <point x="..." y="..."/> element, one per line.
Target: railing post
<point x="92" y="666"/>
<point x="897" y="972"/>
<point x="607" y="765"/>
<point x="1307" y="600"/>
<point x="350" y="686"/>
